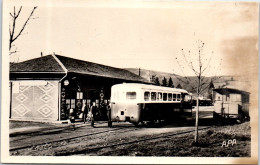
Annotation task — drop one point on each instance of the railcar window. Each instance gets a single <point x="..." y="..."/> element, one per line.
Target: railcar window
<point x="169" y="97"/>
<point x="235" y="97"/>
<point x="218" y="97"/>
<point x="245" y="98"/>
<point x="130" y="95"/>
<point x="187" y="98"/>
<point x="153" y="96"/>
<point x="159" y="96"/>
<point x="174" y="97"/>
<point x="146" y="96"/>
<point x="178" y="97"/>
<point x="164" y="96"/>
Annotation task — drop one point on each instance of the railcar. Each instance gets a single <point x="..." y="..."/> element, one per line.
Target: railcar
<point x="136" y="103"/>
<point x="231" y="103"/>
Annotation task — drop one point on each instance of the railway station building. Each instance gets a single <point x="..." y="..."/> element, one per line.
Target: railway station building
<point x="45" y="88"/>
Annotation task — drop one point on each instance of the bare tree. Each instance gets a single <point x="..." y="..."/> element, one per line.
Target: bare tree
<point x="200" y="66"/>
<point x="14" y="32"/>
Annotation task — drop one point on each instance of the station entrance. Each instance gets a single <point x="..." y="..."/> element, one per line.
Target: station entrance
<point x="75" y="94"/>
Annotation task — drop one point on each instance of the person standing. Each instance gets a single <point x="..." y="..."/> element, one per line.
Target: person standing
<point x="93" y="110"/>
<point x="109" y="115"/>
<point x="85" y="112"/>
<point x="72" y="117"/>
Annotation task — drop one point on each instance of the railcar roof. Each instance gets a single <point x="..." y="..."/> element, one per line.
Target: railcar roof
<point x="230" y="90"/>
<point x="145" y="86"/>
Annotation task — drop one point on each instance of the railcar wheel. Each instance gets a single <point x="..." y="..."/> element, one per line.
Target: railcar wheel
<point x="136" y="124"/>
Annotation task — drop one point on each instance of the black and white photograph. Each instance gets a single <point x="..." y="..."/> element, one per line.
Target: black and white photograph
<point x="135" y="82"/>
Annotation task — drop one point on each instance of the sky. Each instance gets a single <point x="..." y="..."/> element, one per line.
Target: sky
<point x="144" y="34"/>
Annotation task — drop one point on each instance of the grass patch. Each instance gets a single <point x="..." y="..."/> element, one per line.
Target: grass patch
<point x="210" y="144"/>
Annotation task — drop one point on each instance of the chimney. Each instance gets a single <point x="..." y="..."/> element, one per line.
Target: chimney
<point x="41" y="54"/>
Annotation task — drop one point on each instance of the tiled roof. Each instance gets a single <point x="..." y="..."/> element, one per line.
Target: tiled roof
<point x="50" y="64"/>
<point x="89" y="68"/>
<point x="41" y="64"/>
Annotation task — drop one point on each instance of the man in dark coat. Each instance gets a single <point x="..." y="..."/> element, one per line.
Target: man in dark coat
<point x="109" y="115"/>
<point x="93" y="110"/>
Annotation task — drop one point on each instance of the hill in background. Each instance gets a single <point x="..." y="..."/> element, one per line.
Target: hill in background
<point x="188" y="83"/>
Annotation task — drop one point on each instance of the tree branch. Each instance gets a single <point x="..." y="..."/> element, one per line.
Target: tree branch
<point x="208" y="63"/>
<point x="16" y="16"/>
<point x="182" y="69"/>
<point x="11" y="15"/>
<point x="204" y="88"/>
<point x="25" y="23"/>
<point x="189" y="63"/>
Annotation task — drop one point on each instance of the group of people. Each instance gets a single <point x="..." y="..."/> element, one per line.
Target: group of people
<point x="91" y="113"/>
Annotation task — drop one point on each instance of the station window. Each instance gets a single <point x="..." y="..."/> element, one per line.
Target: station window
<point x="146" y="96"/>
<point x="72" y="103"/>
<point x="153" y="96"/>
<point x="130" y="95"/>
<point x="79" y="95"/>
<point x="68" y="103"/>
<point x="169" y="97"/>
<point x="164" y="96"/>
<point x="174" y="97"/>
<point x="178" y="97"/>
<point x="159" y="96"/>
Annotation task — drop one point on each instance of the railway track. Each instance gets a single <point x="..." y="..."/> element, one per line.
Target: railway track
<point x="119" y="130"/>
<point x="91" y="149"/>
<point x="80" y="138"/>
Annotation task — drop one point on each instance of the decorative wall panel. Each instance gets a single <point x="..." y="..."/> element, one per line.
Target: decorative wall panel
<point x="35" y="100"/>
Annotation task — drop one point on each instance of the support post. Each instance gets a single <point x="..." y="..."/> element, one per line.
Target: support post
<point x="11" y="93"/>
<point x="59" y="100"/>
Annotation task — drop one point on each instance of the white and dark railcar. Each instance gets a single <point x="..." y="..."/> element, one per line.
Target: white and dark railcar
<point x="231" y="103"/>
<point x="136" y="103"/>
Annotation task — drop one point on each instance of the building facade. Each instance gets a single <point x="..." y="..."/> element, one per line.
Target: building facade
<point x="45" y="88"/>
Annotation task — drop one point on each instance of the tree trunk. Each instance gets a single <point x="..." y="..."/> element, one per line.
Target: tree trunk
<point x="197" y="121"/>
<point x="197" y="112"/>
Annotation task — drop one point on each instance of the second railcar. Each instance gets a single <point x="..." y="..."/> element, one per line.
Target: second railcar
<point x="231" y="103"/>
<point x="136" y="103"/>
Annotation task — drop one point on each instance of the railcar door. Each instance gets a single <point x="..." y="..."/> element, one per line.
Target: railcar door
<point x="118" y="106"/>
<point x="235" y="103"/>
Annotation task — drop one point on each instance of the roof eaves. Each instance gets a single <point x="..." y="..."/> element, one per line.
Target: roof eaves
<point x="93" y="74"/>
<point x="33" y="72"/>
